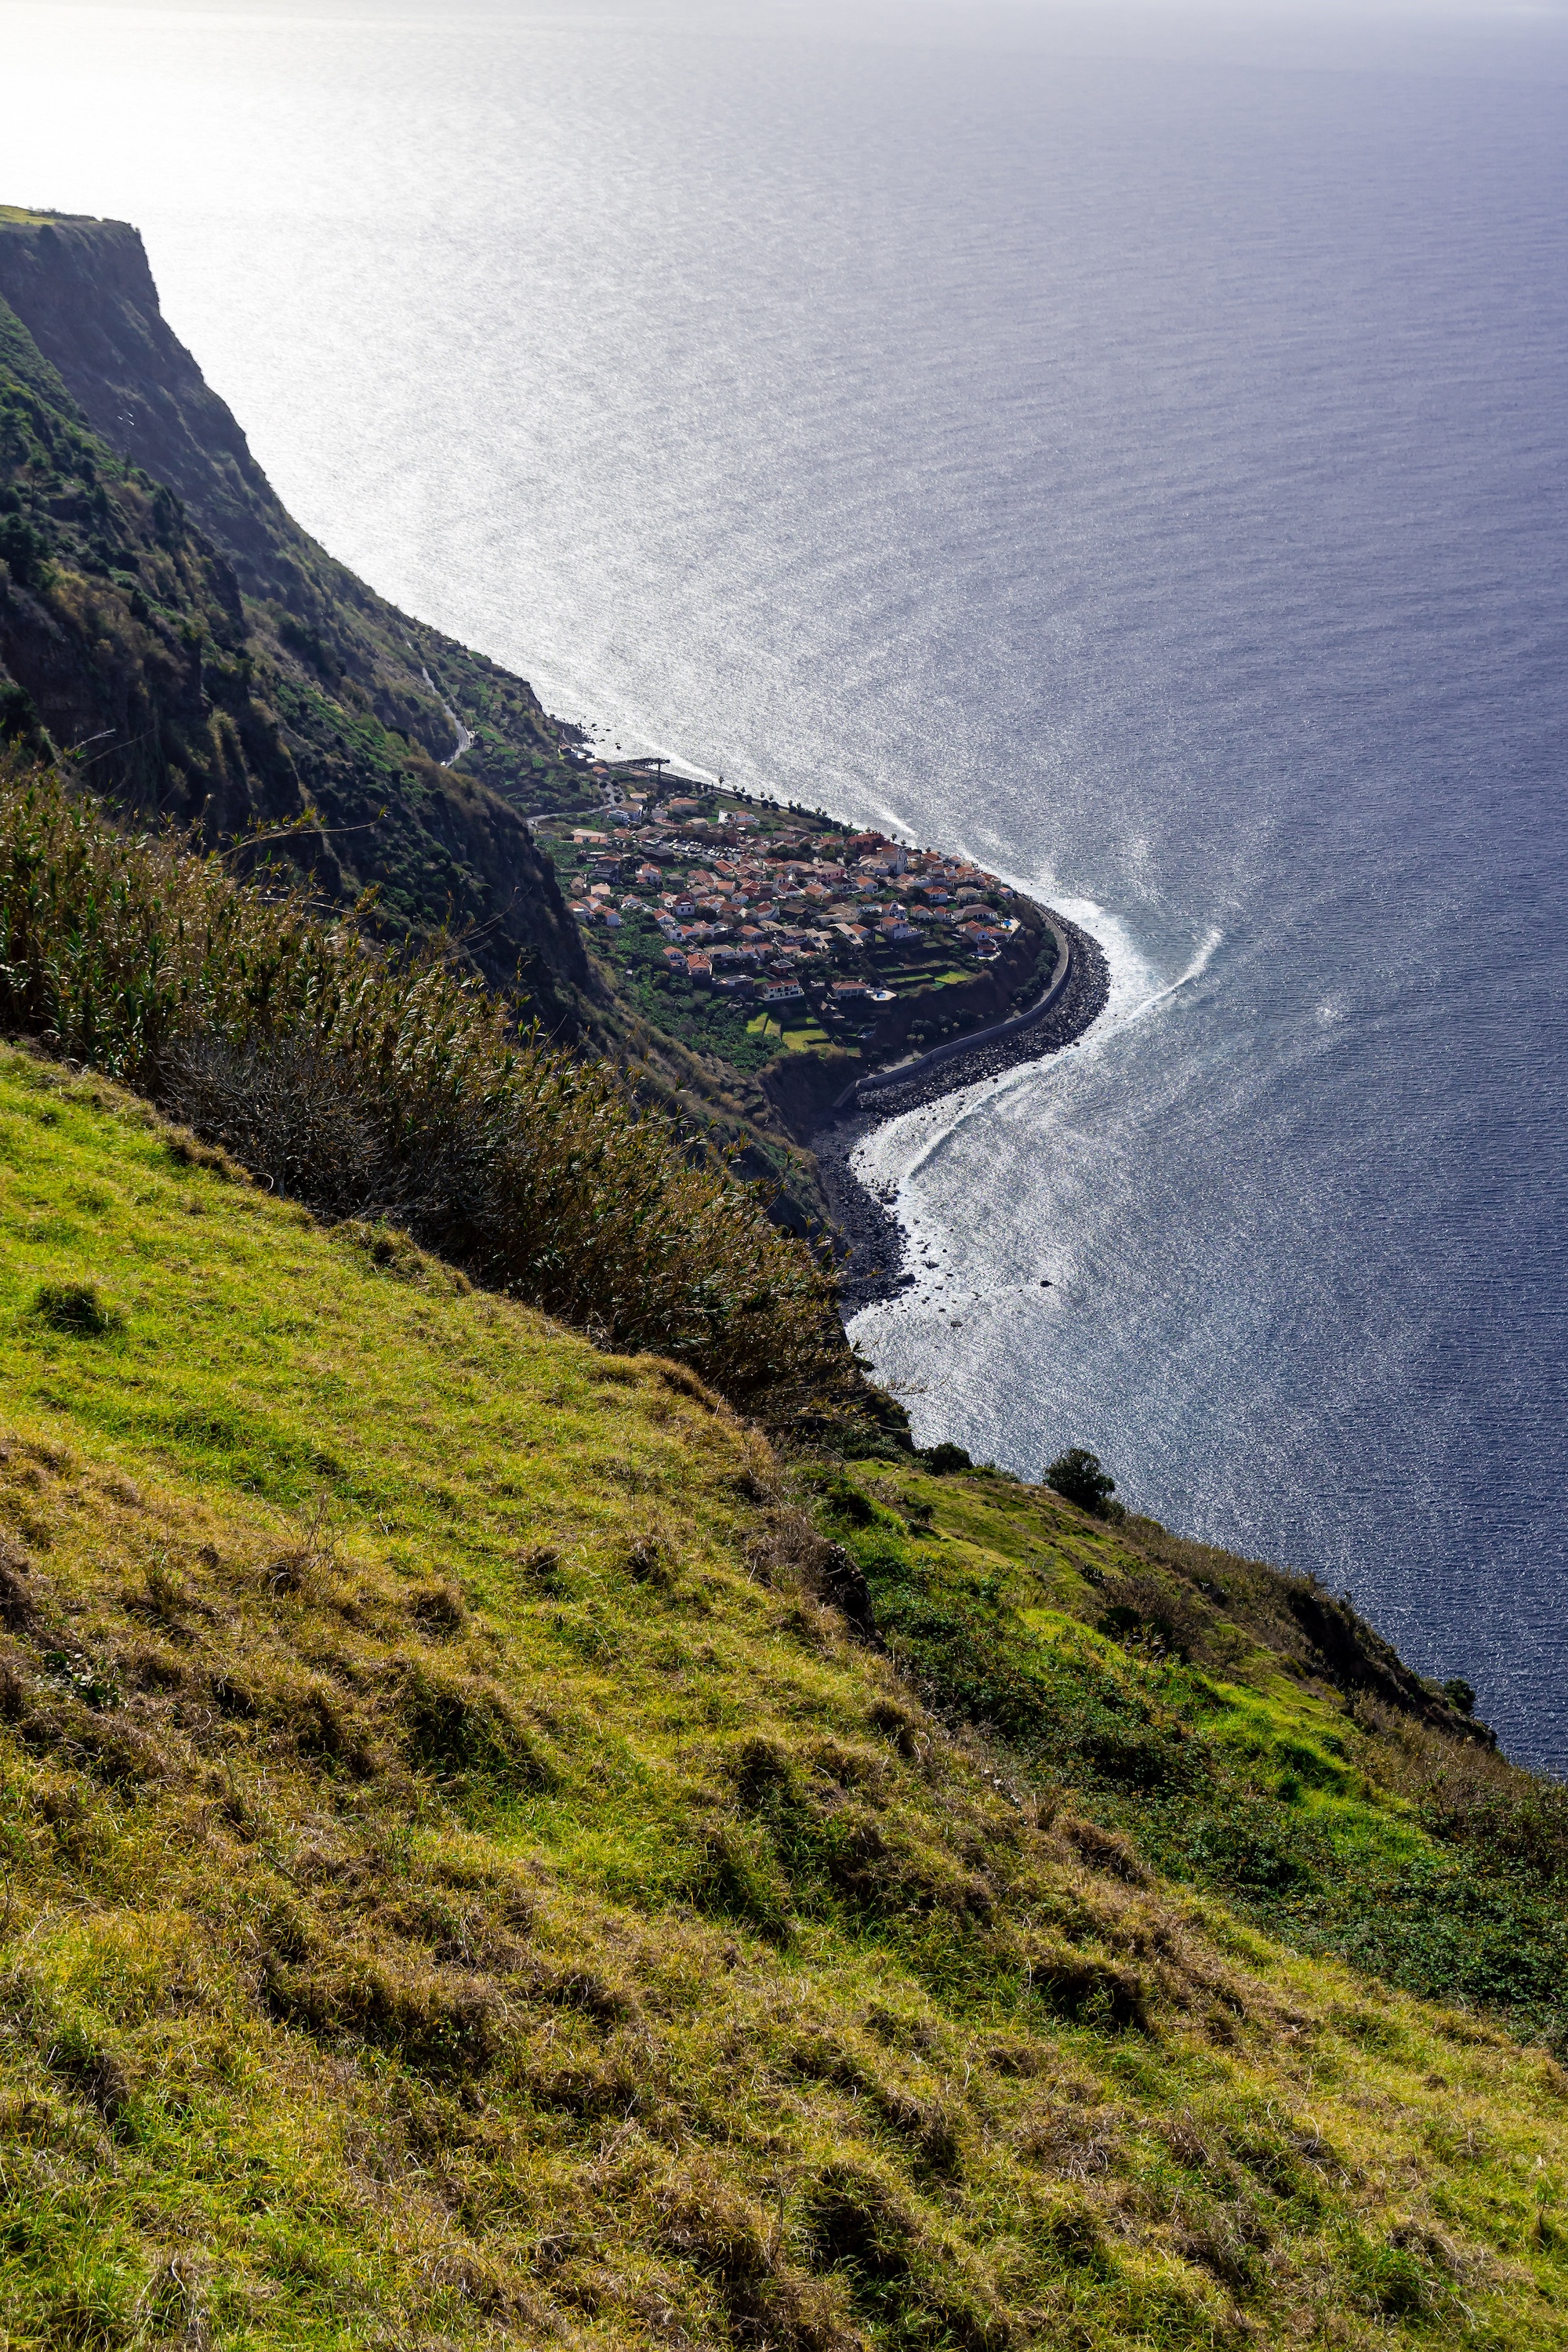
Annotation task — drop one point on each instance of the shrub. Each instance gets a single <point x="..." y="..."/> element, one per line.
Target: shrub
<point x="18" y="715"/>
<point x="23" y="550"/>
<point x="1079" y="1477"/>
<point x="843" y="1501"/>
<point x="1158" y="1612"/>
<point x="367" y="1086"/>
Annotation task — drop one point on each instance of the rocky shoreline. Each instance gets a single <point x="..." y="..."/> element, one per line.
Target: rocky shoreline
<point x="872" y="1267"/>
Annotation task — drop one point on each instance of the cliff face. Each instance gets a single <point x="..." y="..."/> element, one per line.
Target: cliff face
<point x="84" y="291"/>
<point x="160" y="612"/>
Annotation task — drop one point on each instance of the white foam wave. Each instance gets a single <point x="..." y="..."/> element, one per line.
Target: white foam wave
<point x="893" y="1155"/>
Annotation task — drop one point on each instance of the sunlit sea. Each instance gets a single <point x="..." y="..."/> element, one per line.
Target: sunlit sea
<point x="1130" y="451"/>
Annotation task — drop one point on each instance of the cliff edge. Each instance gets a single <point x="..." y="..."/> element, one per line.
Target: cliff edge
<point x="164" y="619"/>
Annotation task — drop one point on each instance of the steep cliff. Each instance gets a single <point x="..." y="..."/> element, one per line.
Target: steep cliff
<point x="84" y="291"/>
<point x="163" y="617"/>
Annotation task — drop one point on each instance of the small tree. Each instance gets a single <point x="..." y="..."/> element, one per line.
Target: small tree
<point x="1077" y="1476"/>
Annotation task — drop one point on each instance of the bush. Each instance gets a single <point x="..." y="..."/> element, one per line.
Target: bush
<point x="364" y="1086"/>
<point x="18" y="715"/>
<point x="1158" y="1612"/>
<point x="1078" y="1477"/>
<point x="76" y="1307"/>
<point x="23" y="550"/>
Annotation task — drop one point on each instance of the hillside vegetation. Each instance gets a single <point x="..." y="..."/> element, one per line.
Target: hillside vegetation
<point x="472" y="1876"/>
<point x="1241" y="1729"/>
<point x="364" y="1084"/>
<point x="529" y="1812"/>
<point x="171" y="636"/>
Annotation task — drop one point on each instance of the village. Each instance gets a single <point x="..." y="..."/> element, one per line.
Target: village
<point x="757" y="929"/>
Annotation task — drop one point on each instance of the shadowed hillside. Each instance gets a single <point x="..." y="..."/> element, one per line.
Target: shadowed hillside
<point x="162" y="615"/>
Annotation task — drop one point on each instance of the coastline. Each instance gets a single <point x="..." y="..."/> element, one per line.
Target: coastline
<point x="872" y="1268"/>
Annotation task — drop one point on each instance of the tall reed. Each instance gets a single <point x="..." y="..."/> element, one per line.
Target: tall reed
<point x="368" y="1086"/>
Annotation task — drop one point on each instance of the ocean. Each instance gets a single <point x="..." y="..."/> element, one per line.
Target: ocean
<point x="1128" y="448"/>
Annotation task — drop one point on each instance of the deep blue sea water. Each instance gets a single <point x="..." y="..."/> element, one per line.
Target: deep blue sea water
<point x="1130" y="449"/>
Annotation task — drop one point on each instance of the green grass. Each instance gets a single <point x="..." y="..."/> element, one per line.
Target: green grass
<point x="347" y="1080"/>
<point x="1239" y="1767"/>
<point x="465" y="1885"/>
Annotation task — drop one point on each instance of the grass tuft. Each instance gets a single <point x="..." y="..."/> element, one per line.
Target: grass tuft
<point x="77" y="1309"/>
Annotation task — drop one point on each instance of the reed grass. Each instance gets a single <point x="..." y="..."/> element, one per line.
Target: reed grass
<point x="396" y="1089"/>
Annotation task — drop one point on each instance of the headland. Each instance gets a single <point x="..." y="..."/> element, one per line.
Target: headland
<point x="848" y="974"/>
<point x="873" y="1242"/>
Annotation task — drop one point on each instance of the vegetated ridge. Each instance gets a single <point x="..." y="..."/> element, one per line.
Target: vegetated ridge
<point x="208" y="663"/>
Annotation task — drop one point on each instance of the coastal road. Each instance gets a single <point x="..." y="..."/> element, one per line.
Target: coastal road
<point x="902" y="1074"/>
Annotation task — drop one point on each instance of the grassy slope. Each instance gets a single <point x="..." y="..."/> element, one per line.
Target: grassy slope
<point x="1325" y="1792"/>
<point x="461" y="1885"/>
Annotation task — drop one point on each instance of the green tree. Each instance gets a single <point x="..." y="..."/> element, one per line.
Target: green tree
<point x="1077" y="1476"/>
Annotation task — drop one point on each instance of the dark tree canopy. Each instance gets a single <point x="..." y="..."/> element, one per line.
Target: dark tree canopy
<point x="1077" y="1476"/>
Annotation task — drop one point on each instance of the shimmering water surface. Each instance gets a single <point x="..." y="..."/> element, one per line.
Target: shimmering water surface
<point x="1131" y="450"/>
